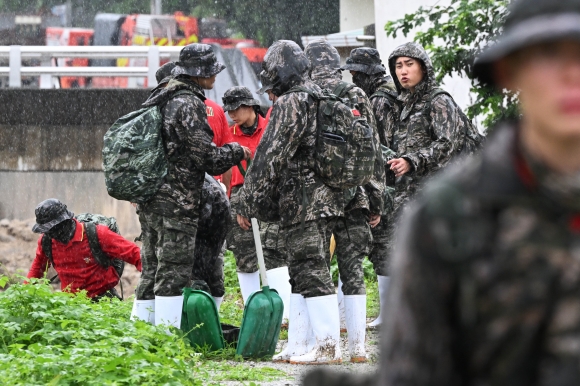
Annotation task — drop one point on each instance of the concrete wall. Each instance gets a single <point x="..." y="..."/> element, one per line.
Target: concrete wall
<point x="356" y="14"/>
<point x="50" y="146"/>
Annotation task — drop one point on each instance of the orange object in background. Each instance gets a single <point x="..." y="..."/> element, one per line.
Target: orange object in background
<point x="56" y="36"/>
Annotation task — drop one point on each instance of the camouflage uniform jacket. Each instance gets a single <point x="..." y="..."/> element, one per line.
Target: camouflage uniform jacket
<point x="426" y="140"/>
<point x="280" y="184"/>
<point x="382" y="105"/>
<point x="371" y="196"/>
<point x="188" y="144"/>
<point x="486" y="278"/>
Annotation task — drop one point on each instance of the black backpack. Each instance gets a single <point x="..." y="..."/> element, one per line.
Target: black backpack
<point x="90" y="222"/>
<point x="473" y="141"/>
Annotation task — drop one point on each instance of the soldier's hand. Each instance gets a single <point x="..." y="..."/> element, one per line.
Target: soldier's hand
<point x="247" y="153"/>
<point x="244" y="222"/>
<point x="374" y="220"/>
<point x="399" y="166"/>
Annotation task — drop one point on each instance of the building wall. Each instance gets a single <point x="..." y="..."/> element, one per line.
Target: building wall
<point x="356" y="14"/>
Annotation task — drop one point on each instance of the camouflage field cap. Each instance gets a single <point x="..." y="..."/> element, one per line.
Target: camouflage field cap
<point x="197" y="60"/>
<point x="321" y="53"/>
<point x="266" y="83"/>
<point x="50" y="213"/>
<point x="238" y="96"/>
<point x="163" y="74"/>
<point x="530" y="22"/>
<point x="364" y="59"/>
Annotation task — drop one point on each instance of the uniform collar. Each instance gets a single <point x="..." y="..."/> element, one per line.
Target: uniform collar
<point x="260" y="126"/>
<point x="79" y="232"/>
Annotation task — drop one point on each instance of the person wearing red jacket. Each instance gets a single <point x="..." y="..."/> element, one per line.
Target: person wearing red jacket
<point x="248" y="128"/>
<point x="72" y="258"/>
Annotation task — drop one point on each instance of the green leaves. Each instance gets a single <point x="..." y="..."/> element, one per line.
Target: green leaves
<point x="456" y="34"/>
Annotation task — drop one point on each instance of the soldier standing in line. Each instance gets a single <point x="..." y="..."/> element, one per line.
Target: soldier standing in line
<point x="248" y="128"/>
<point x="169" y="220"/>
<point x="486" y="277"/>
<point x="369" y="74"/>
<point x="364" y="204"/>
<point x="282" y="186"/>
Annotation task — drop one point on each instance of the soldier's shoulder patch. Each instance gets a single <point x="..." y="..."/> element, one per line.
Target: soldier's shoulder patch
<point x="209" y="111"/>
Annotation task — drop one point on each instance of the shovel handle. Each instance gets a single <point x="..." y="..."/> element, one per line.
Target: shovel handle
<point x="259" y="252"/>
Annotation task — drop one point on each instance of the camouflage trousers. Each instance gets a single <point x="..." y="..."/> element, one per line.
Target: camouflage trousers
<point x="242" y="244"/>
<point x="208" y="268"/>
<point x="353" y="240"/>
<point x="307" y="249"/>
<point x="167" y="255"/>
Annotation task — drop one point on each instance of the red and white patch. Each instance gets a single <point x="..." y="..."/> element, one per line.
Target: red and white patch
<point x="209" y="111"/>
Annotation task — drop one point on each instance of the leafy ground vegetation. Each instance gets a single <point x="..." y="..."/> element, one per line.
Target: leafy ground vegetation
<point x="54" y="338"/>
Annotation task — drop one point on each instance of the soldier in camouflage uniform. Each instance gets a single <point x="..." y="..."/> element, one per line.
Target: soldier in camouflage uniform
<point x="281" y="186"/>
<point x="364" y="204"/>
<point x="487" y="272"/>
<point x="370" y="75"/>
<point x="169" y="220"/>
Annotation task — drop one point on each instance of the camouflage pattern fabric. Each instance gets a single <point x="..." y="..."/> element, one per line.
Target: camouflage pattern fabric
<point x="307" y="256"/>
<point x="487" y="275"/>
<point x="427" y="144"/>
<point x="188" y="145"/>
<point x="208" y="270"/>
<point x="242" y="244"/>
<point x="275" y="254"/>
<point x="380" y="250"/>
<point x="166" y="254"/>
<point x="353" y="241"/>
<point x="197" y="60"/>
<point x="281" y="184"/>
<point x="328" y="77"/>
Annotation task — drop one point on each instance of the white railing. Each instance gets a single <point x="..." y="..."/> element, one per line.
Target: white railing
<point x="15" y="54"/>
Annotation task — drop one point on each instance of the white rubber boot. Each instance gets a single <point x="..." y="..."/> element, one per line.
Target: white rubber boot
<point x="218" y="301"/>
<point x="279" y="279"/>
<point x="300" y="337"/>
<point x="355" y="310"/>
<point x="249" y="283"/>
<point x="144" y="310"/>
<point x="168" y="310"/>
<point x="340" y="296"/>
<point x="324" y="319"/>
<point x="383" y="288"/>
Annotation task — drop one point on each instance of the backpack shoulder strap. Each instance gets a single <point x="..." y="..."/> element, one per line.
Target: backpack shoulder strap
<point x="342" y="88"/>
<point x="101" y="258"/>
<point x="384" y="94"/>
<point x="46" y="245"/>
<point x="433" y="94"/>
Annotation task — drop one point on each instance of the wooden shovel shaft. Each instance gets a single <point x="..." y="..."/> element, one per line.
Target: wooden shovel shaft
<point x="259" y="252"/>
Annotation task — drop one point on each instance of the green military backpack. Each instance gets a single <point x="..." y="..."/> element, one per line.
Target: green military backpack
<point x="134" y="159"/>
<point x="345" y="153"/>
<point x="90" y="222"/>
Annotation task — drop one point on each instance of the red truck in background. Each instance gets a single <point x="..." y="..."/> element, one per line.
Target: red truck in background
<point x="144" y="30"/>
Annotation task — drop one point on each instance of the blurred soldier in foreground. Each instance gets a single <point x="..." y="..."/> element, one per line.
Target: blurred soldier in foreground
<point x="486" y="282"/>
<point x="169" y="220"/>
<point x="369" y="74"/>
<point x="281" y="185"/>
<point x="364" y="204"/>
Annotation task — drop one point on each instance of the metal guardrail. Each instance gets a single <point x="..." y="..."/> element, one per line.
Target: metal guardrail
<point x="15" y="54"/>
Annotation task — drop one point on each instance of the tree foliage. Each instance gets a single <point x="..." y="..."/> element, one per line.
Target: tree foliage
<point x="456" y="34"/>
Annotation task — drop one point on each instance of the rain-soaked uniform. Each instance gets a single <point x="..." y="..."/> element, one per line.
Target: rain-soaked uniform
<point x="425" y="139"/>
<point x="353" y="236"/>
<point x="281" y="184"/>
<point x="169" y="220"/>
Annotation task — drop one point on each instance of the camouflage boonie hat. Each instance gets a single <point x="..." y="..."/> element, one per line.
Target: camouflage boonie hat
<point x="197" y="60"/>
<point x="266" y="83"/>
<point x="50" y="213"/>
<point x="163" y="74"/>
<point x="321" y="53"/>
<point x="238" y="96"/>
<point x="285" y="60"/>
<point x="530" y="22"/>
<point x="364" y="59"/>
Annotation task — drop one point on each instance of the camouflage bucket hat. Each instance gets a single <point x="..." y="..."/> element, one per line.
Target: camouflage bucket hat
<point x="321" y="53"/>
<point x="266" y="83"/>
<point x="530" y="22"/>
<point x="197" y="60"/>
<point x="50" y="213"/>
<point x="238" y="96"/>
<point x="365" y="60"/>
<point x="163" y="74"/>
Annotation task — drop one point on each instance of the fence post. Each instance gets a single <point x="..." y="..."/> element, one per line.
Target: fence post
<point x="14" y="78"/>
<point x="153" y="64"/>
